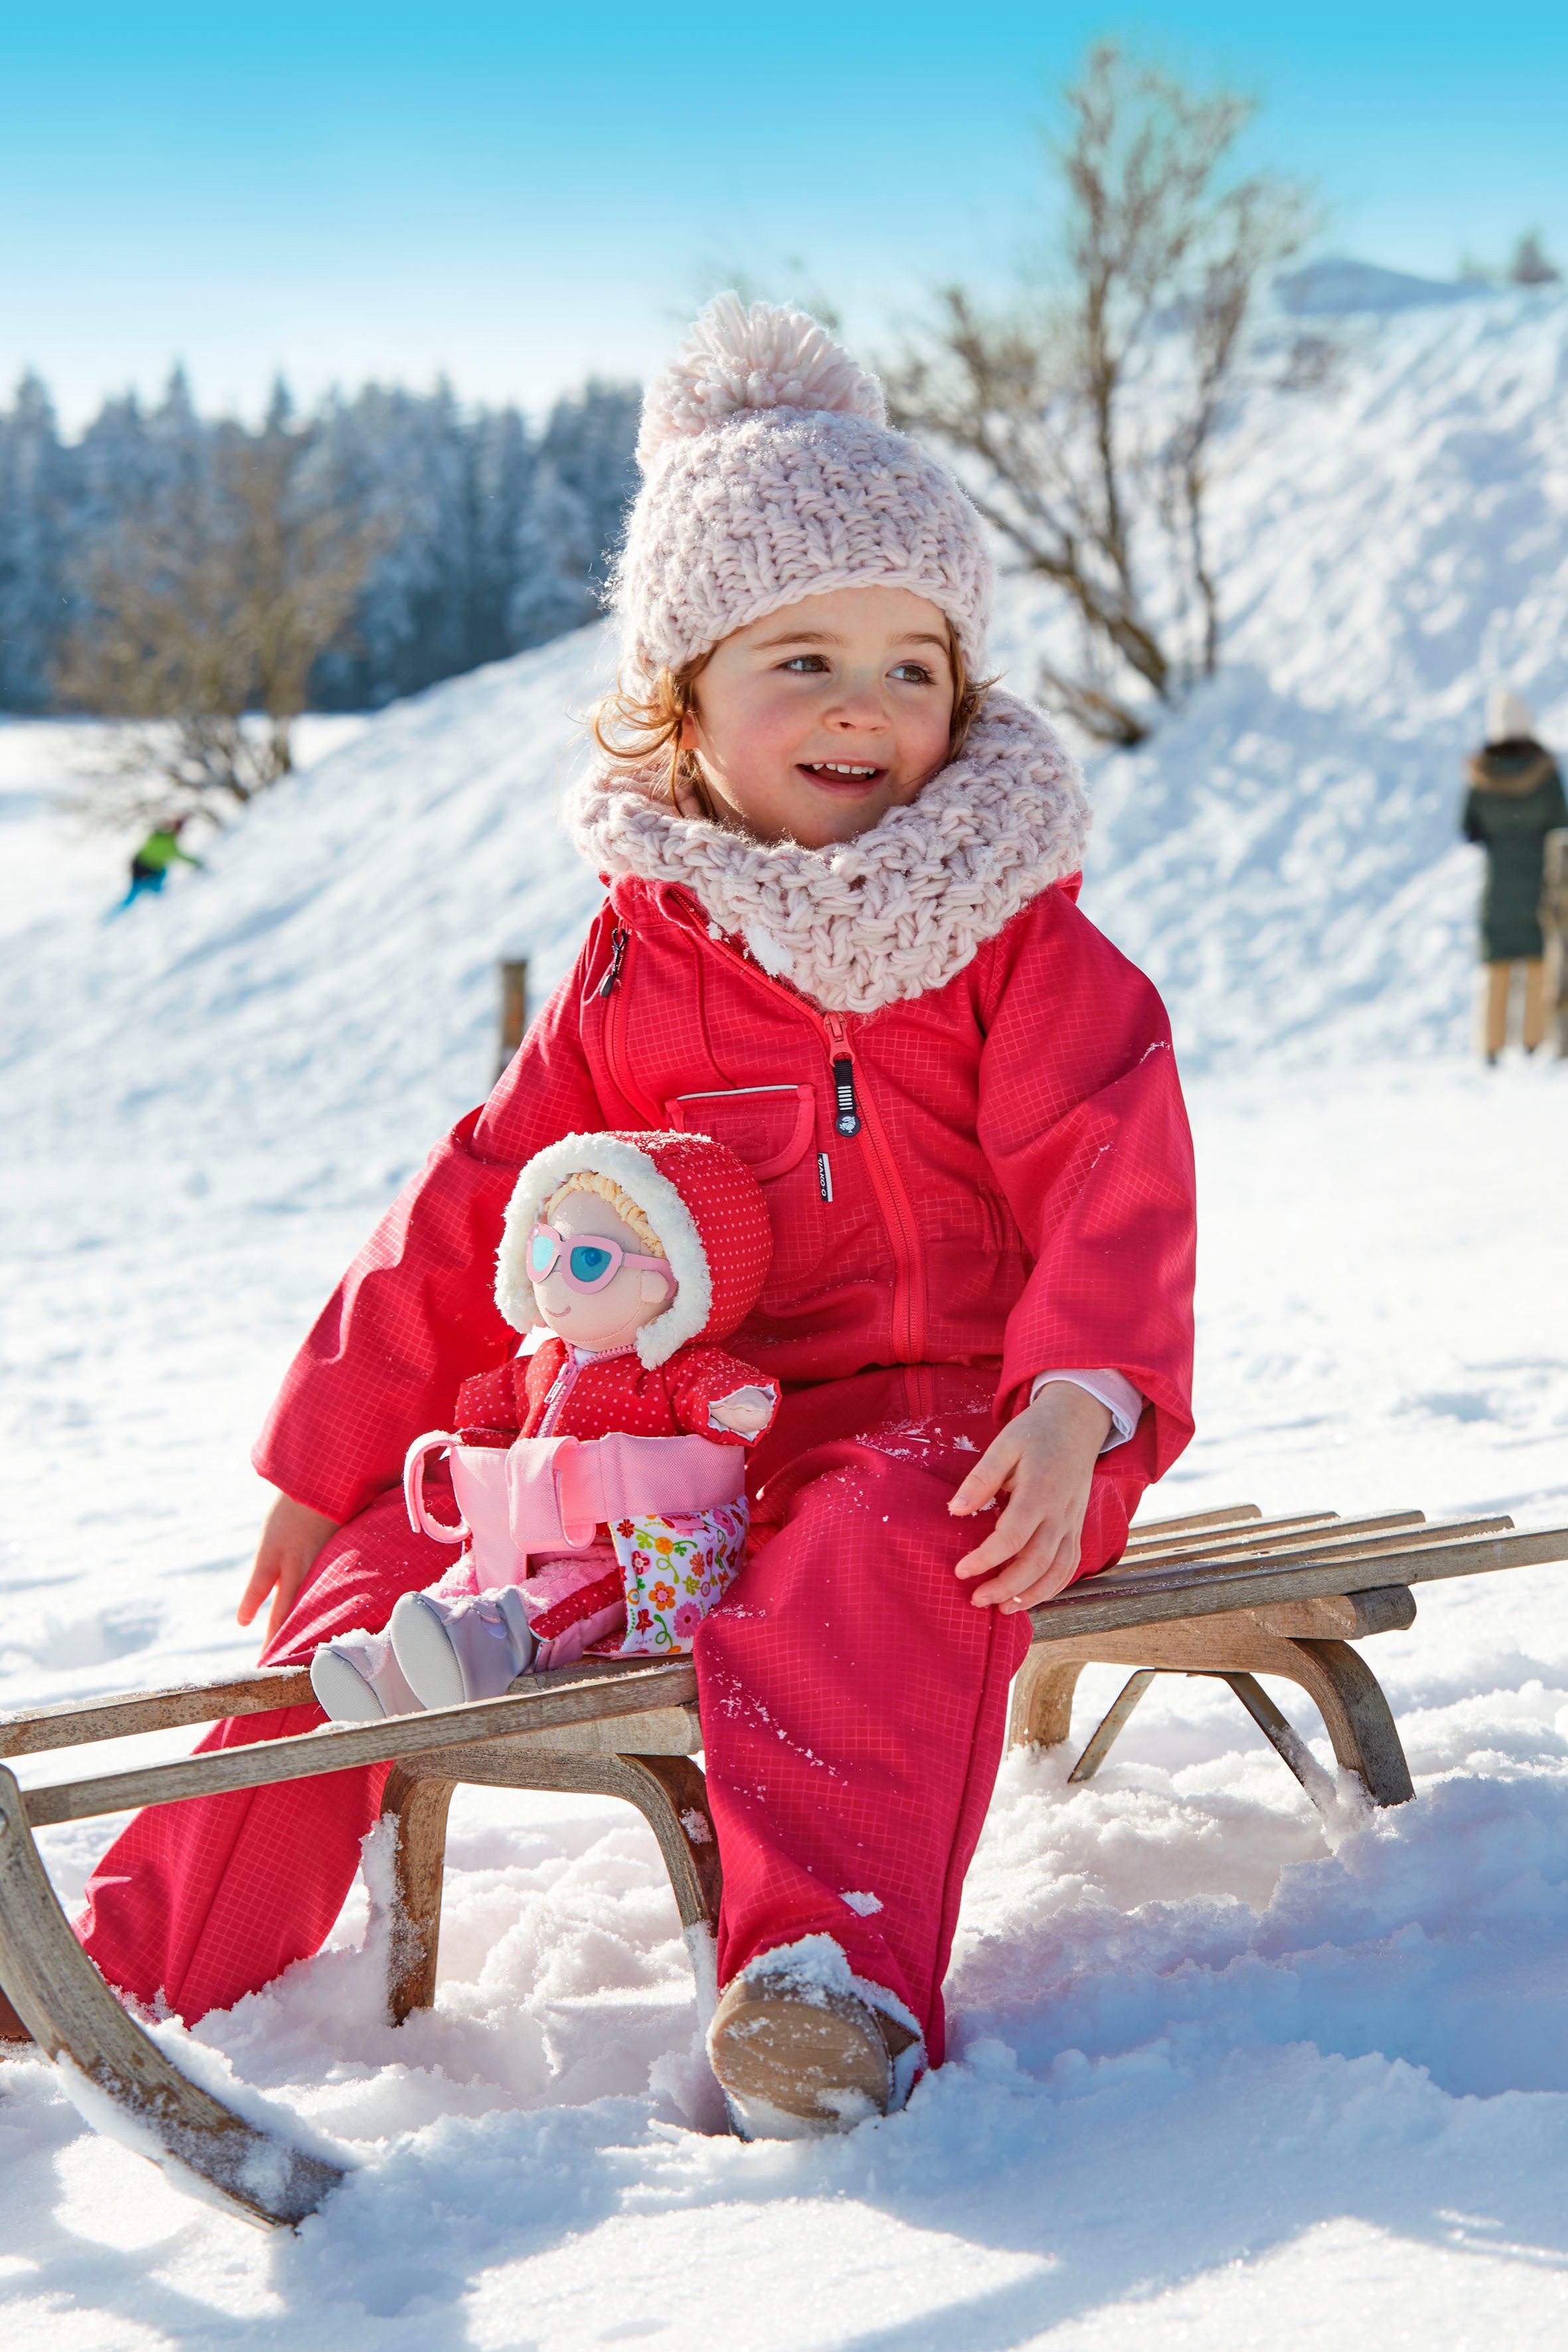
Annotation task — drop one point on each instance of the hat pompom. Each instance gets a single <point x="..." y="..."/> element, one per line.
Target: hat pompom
<point x="737" y="359"/>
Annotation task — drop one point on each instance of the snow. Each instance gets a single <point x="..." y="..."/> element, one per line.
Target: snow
<point x="1336" y="286"/>
<point x="1228" y="2071"/>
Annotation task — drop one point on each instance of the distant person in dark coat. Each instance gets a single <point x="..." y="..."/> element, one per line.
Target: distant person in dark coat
<point x="1515" y="800"/>
<point x="150" y="866"/>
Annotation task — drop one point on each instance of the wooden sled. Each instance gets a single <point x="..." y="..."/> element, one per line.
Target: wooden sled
<point x="1224" y="1594"/>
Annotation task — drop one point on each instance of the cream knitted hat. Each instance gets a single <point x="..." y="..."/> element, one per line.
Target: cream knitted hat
<point x="1509" y="719"/>
<point x="770" y="473"/>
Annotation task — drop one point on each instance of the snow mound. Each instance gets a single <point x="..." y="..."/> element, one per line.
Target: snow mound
<point x="1336" y="287"/>
<point x="1283" y="856"/>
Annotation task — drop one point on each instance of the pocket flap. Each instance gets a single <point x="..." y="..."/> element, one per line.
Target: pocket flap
<point x="767" y="1127"/>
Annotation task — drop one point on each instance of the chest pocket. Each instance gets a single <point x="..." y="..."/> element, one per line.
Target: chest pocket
<point x="774" y="1130"/>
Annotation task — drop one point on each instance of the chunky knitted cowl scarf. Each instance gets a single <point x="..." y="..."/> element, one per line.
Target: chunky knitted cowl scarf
<point x="898" y="911"/>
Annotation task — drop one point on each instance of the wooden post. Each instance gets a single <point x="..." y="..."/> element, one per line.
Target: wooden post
<point x="513" y="1009"/>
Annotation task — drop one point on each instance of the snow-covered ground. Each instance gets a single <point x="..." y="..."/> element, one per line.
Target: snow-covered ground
<point x="1222" y="2076"/>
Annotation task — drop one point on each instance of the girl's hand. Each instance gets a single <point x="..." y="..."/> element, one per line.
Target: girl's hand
<point x="1044" y="1460"/>
<point x="291" y="1536"/>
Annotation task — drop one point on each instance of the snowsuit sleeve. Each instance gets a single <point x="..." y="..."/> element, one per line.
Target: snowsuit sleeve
<point x="701" y="1377"/>
<point x="415" y="1314"/>
<point x="1081" y="1119"/>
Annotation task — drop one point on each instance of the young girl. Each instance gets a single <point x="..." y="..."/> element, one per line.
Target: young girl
<point x="841" y="937"/>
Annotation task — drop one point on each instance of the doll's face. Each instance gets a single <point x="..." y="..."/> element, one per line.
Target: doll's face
<point x="613" y="1317"/>
<point x="813" y="722"/>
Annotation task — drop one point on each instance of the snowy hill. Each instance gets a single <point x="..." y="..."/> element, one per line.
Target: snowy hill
<point x="1281" y="855"/>
<point x="1224" y="2072"/>
<point x="1336" y="287"/>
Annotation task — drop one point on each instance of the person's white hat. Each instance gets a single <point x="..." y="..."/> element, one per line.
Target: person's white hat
<point x="1509" y="718"/>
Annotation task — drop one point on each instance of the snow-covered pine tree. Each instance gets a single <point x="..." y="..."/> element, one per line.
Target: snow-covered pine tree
<point x="36" y="535"/>
<point x="585" y="480"/>
<point x="486" y="539"/>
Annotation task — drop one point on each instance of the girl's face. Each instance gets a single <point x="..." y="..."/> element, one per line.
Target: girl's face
<point x="812" y="723"/>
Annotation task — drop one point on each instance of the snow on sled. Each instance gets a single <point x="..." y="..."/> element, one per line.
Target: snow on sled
<point x="1221" y="1593"/>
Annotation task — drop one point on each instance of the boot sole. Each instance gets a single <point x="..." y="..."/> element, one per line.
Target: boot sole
<point x="822" y="2062"/>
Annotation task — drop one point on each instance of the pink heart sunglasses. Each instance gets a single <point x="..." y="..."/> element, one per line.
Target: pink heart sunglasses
<point x="587" y="1261"/>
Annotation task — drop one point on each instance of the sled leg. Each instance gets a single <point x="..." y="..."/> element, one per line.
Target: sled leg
<point x="418" y="1805"/>
<point x="109" y="2063"/>
<point x="1357" y="1717"/>
<point x="671" y="1794"/>
<point x="1287" y="1743"/>
<point x="669" y="1791"/>
<point x="1043" y="1687"/>
<point x="1111" y="1725"/>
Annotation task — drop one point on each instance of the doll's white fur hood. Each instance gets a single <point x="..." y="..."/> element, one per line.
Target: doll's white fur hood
<point x="898" y="911"/>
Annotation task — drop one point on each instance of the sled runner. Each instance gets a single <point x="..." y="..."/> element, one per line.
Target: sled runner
<point x="1221" y="1593"/>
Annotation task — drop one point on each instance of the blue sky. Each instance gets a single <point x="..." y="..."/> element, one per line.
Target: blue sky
<point x="518" y="195"/>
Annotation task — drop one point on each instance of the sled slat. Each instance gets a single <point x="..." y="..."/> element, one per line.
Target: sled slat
<point x="1104" y="1603"/>
<point x="577" y="1698"/>
<point x="76" y="1724"/>
<point x="1345" y="1540"/>
<point x="1194" y="1520"/>
<point x="1246" y="1531"/>
<point x="74" y="2018"/>
<point x="1283" y="1535"/>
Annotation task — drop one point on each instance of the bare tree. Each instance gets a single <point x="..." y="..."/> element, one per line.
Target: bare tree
<point x="1084" y="417"/>
<point x="204" y="621"/>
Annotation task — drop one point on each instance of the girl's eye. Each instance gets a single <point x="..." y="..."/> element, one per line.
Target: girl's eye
<point x="806" y="663"/>
<point x="913" y="672"/>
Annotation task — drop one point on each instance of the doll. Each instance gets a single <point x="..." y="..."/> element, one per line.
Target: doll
<point x="601" y="1480"/>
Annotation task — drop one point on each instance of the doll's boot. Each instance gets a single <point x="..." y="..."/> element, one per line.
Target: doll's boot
<point x="798" y="2056"/>
<point x="357" y="1679"/>
<point x="470" y="1647"/>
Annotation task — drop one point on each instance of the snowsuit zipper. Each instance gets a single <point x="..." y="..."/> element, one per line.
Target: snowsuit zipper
<point x="612" y="991"/>
<point x="887" y="1182"/>
<point x="613" y="970"/>
<point x="854" y="1116"/>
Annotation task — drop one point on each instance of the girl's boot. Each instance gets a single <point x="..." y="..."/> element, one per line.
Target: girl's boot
<point x="802" y="2047"/>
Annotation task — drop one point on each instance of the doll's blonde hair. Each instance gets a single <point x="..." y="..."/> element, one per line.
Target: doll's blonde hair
<point x="584" y="1180"/>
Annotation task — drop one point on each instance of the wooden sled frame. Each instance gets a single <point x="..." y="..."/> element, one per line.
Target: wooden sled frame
<point x="1224" y="1594"/>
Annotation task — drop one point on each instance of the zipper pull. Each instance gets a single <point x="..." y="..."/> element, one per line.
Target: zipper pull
<point x="847" y="1119"/>
<point x="612" y="979"/>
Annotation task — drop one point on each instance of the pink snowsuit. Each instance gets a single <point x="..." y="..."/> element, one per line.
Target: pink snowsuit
<point x="966" y="1188"/>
